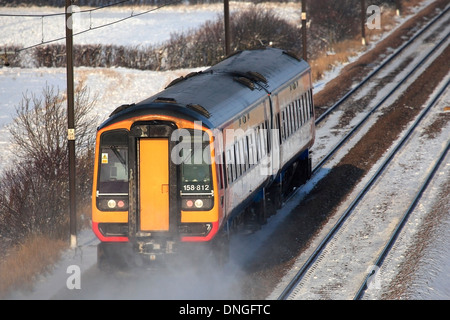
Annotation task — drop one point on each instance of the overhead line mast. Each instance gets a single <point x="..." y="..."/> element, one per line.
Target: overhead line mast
<point x="226" y="14"/>
<point x="71" y="124"/>
<point x="304" y="30"/>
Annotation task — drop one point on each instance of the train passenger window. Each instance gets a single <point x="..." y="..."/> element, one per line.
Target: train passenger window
<point x="113" y="166"/>
<point x="261" y="134"/>
<point x="231" y="172"/>
<point x="288" y="122"/>
<point x="306" y="106"/>
<point x="266" y="137"/>
<point x="309" y="95"/>
<point x="311" y="103"/>
<point x="297" y="112"/>
<point x="294" y="115"/>
<point x="225" y="170"/>
<point x="241" y="162"/>
<point x="238" y="160"/>
<point x="300" y="114"/>
<point x="303" y="110"/>
<point x="245" y="152"/>
<point x="251" y="148"/>
<point x="286" y="114"/>
<point x="278" y="127"/>
<point x="258" y="143"/>
<point x="242" y="155"/>
<point x="291" y="119"/>
<point x="219" y="175"/>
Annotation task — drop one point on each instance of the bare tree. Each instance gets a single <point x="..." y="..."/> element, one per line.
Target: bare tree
<point x="34" y="192"/>
<point x="334" y="20"/>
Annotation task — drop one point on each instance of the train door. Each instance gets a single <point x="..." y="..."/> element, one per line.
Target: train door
<point x="154" y="209"/>
<point x="154" y="184"/>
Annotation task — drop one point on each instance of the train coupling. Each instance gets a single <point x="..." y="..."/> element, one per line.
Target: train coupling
<point x="155" y="248"/>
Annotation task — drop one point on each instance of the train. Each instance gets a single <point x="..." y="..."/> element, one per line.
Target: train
<point x="215" y="152"/>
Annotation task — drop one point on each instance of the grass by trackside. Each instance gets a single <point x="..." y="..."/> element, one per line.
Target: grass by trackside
<point x="35" y="256"/>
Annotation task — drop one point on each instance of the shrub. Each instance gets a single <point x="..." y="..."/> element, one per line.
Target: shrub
<point x="34" y="192"/>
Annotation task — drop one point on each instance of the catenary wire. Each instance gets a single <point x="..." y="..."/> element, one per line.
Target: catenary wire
<point x="133" y="15"/>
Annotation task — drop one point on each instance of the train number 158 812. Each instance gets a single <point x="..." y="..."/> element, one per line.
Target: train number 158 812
<point x="196" y="187"/>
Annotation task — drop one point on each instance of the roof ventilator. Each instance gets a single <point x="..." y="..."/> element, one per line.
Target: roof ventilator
<point x="245" y="81"/>
<point x="292" y="55"/>
<point x="256" y="76"/>
<point x="250" y="78"/>
<point x="199" y="109"/>
<point x="165" y="100"/>
<point x="179" y="79"/>
<point x="121" y="108"/>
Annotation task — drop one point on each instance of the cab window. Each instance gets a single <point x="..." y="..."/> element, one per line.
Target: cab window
<point x="195" y="169"/>
<point x="113" y="166"/>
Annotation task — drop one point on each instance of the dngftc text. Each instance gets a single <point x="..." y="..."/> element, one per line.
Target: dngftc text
<point x="227" y="309"/>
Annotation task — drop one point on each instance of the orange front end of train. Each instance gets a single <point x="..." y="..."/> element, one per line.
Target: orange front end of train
<point x="154" y="186"/>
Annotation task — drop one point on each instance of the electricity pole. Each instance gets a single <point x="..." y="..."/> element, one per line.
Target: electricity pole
<point x="304" y="30"/>
<point x="363" y="22"/>
<point x="71" y="124"/>
<point x="226" y="15"/>
<point x="398" y="7"/>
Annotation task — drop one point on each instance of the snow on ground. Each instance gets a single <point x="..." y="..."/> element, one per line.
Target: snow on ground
<point x="153" y="27"/>
<point x="147" y="29"/>
<point x="111" y="87"/>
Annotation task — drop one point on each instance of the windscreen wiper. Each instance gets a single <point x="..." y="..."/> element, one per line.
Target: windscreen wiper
<point x="119" y="156"/>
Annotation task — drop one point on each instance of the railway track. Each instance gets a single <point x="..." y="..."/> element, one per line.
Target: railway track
<point x="387" y="248"/>
<point x="294" y="289"/>
<point x="342" y="235"/>
<point x="322" y="153"/>
<point x="365" y="87"/>
<point x="382" y="66"/>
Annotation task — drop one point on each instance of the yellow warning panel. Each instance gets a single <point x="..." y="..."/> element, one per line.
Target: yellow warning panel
<point x="104" y="158"/>
<point x="154" y="182"/>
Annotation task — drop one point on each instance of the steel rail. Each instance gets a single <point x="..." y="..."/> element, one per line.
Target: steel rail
<point x="288" y="289"/>
<point x="381" y="66"/>
<point x="322" y="161"/>
<point x="378" y="105"/>
<point x="408" y="212"/>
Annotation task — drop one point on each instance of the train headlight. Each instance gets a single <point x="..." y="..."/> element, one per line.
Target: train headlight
<point x="198" y="203"/>
<point x="111" y="204"/>
<point x="108" y="204"/>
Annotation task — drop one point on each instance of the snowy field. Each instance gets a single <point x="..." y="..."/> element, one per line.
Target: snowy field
<point x="111" y="87"/>
<point x="150" y="25"/>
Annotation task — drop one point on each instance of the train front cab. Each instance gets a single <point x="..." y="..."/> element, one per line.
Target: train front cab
<point x="154" y="189"/>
